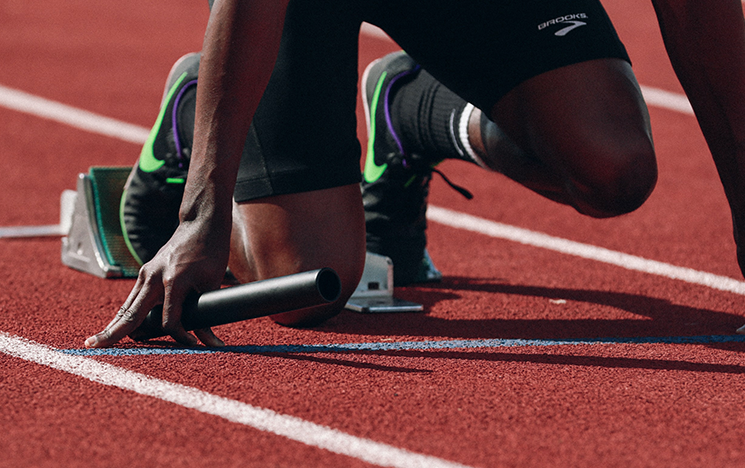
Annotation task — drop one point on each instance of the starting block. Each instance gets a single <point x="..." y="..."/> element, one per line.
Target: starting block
<point x="374" y="294"/>
<point x="95" y="243"/>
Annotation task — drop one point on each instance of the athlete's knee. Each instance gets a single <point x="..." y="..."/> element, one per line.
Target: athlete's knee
<point x="618" y="181"/>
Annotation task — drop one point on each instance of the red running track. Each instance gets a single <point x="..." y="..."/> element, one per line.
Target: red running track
<point x="545" y="402"/>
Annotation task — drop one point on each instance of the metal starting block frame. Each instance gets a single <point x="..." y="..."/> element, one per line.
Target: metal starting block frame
<point x="374" y="294"/>
<point x="95" y="243"/>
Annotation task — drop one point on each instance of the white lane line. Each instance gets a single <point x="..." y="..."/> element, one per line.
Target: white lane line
<point x="536" y="239"/>
<point x="46" y="230"/>
<point x="667" y="100"/>
<point x="67" y="208"/>
<point x="28" y="103"/>
<point x="235" y="411"/>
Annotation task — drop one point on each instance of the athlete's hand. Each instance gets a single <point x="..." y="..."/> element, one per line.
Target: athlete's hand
<point x="194" y="259"/>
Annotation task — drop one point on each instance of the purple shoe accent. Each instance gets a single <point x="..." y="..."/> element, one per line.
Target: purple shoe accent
<point x="387" y="110"/>
<point x="174" y="121"/>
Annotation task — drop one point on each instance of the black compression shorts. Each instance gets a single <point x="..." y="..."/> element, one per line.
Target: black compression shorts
<point x="303" y="135"/>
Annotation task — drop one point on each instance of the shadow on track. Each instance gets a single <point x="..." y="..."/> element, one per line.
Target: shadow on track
<point x="651" y="316"/>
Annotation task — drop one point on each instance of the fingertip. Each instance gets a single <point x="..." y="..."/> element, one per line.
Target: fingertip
<point x="214" y="342"/>
<point x="741" y="330"/>
<point x="208" y="338"/>
<point x="190" y="340"/>
<point x="91" y="342"/>
<point x="185" y="338"/>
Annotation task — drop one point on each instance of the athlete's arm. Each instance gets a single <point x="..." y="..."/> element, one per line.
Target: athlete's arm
<point x="705" y="40"/>
<point x="238" y="56"/>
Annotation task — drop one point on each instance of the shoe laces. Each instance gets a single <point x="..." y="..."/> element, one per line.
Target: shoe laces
<point x="420" y="167"/>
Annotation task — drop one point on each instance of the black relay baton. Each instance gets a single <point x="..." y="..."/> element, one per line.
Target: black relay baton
<point x="247" y="301"/>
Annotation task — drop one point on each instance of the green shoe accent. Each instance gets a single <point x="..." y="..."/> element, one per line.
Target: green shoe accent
<point x="124" y="230"/>
<point x="373" y="171"/>
<point x="175" y="180"/>
<point x="148" y="161"/>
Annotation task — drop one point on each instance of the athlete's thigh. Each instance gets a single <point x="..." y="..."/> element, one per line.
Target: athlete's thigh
<point x="587" y="119"/>
<point x="304" y="134"/>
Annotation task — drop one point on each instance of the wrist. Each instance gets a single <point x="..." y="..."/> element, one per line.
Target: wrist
<point x="206" y="203"/>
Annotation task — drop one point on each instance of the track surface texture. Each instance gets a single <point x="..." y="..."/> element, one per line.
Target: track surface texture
<point x="524" y="356"/>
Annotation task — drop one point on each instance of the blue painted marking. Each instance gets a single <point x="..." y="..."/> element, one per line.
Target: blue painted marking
<point x="406" y="346"/>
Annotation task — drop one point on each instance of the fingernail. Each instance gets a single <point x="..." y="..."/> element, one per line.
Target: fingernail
<point x="91" y="342"/>
<point x="741" y="330"/>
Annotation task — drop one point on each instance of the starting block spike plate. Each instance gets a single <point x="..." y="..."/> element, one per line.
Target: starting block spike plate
<point x="374" y="294"/>
<point x="95" y="243"/>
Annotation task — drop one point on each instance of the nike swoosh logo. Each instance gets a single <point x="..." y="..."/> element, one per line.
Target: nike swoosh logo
<point x="573" y="26"/>
<point x="148" y="161"/>
<point x="373" y="171"/>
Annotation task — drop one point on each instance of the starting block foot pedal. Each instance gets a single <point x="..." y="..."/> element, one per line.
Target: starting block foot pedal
<point x="95" y="243"/>
<point x="374" y="294"/>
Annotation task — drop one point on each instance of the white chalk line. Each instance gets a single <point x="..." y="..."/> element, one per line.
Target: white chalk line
<point x="266" y="420"/>
<point x="44" y="230"/>
<point x="494" y="229"/>
<point x="82" y="119"/>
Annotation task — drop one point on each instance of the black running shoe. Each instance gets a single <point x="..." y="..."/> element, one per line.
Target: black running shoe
<point x="152" y="196"/>
<point x="395" y="184"/>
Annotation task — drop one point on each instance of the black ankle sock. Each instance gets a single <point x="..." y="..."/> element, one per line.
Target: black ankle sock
<point x="427" y="116"/>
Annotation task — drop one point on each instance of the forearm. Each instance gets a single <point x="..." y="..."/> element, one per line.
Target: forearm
<point x="705" y="40"/>
<point x="240" y="49"/>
